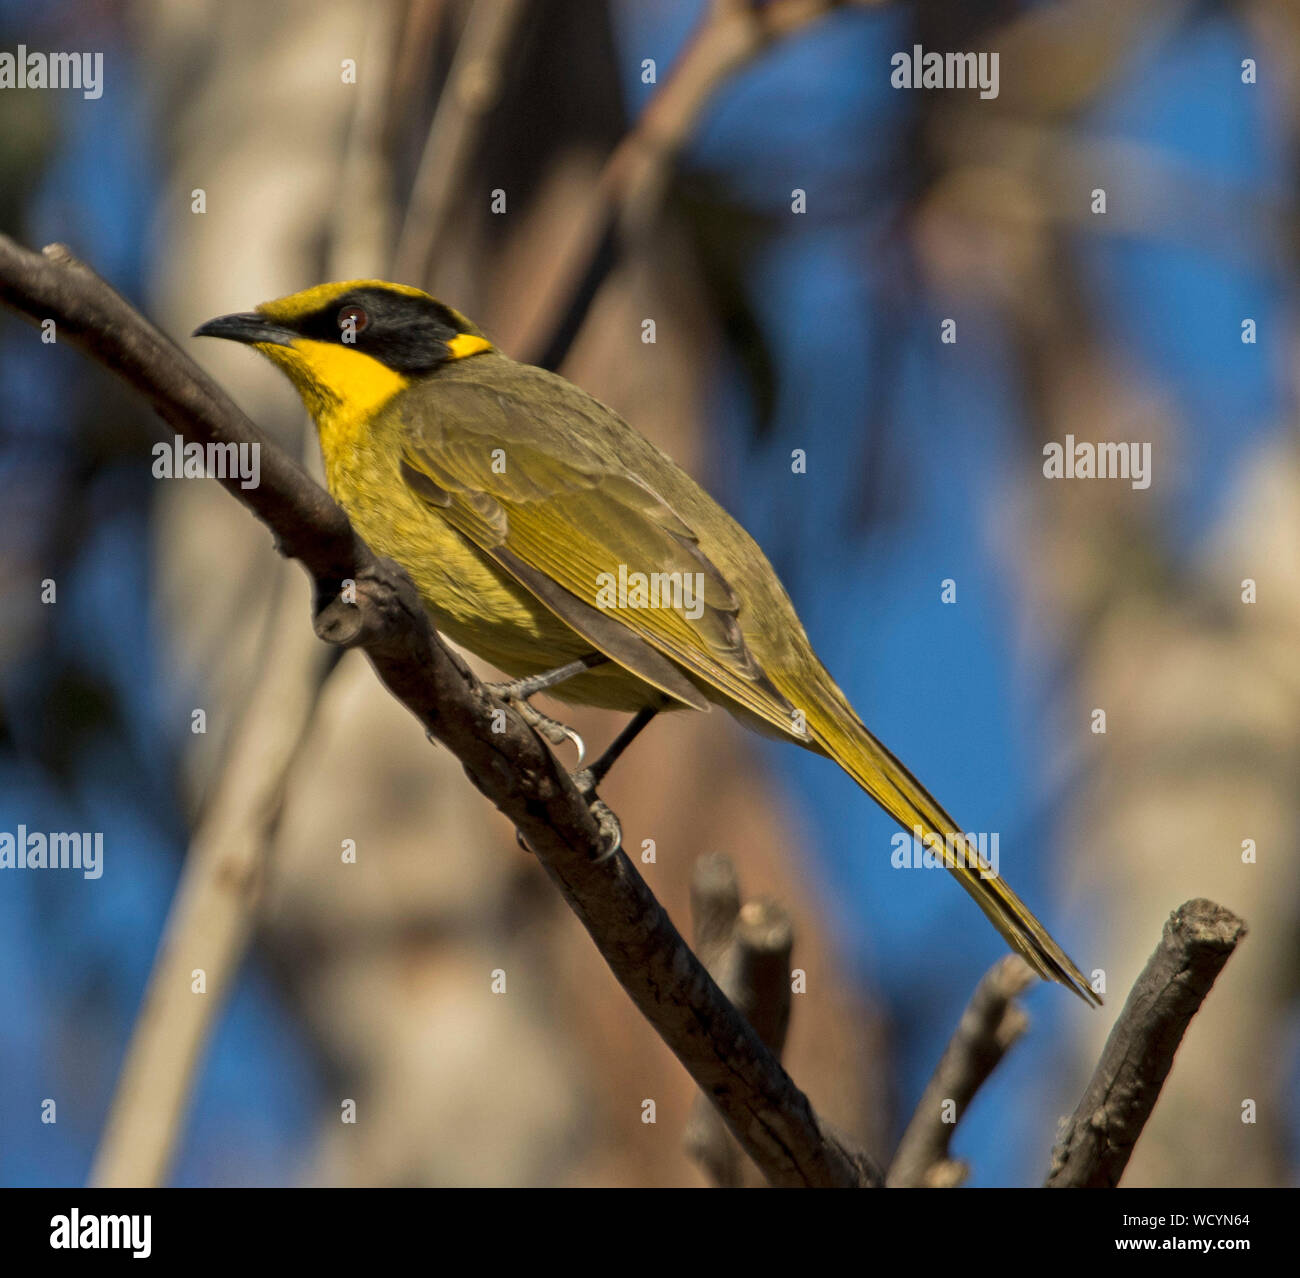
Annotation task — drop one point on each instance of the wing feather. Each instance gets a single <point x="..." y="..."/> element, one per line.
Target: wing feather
<point x="562" y="515"/>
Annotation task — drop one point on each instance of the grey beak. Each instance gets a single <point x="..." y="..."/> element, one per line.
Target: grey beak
<point x="247" y="327"/>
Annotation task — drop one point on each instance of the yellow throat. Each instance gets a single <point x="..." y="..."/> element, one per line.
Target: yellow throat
<point x="341" y="387"/>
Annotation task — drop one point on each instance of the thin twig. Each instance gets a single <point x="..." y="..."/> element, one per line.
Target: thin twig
<point x="631" y="188"/>
<point x="472" y="89"/>
<point x="764" y="1109"/>
<point x="1097" y="1141"/>
<point x="747" y="950"/>
<point x="991" y="1023"/>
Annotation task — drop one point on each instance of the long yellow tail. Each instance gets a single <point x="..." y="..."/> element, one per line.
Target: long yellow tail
<point x="843" y="737"/>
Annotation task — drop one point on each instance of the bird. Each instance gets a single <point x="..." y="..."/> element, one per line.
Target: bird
<point x="554" y="541"/>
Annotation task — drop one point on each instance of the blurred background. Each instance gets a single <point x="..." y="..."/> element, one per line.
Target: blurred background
<point x="799" y="231"/>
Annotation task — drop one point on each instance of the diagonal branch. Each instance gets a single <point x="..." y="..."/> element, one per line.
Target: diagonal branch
<point x="211" y="918"/>
<point x="768" y="1114"/>
<point x="1097" y="1140"/>
<point x="990" y="1025"/>
<point x="635" y="179"/>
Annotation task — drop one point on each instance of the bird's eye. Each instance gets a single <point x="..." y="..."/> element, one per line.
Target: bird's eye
<point x="352" y="319"/>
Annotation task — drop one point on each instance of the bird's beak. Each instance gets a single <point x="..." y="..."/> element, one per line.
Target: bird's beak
<point x="248" y="327"/>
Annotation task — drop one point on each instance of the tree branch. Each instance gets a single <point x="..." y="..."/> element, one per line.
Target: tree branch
<point x="211" y="918"/>
<point x="472" y="88"/>
<point x="991" y="1023"/>
<point x="770" y="1117"/>
<point x="747" y="950"/>
<point x="1097" y="1140"/>
<point x="635" y="178"/>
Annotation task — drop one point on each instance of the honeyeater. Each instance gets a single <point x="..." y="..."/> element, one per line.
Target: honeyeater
<point x="549" y="537"/>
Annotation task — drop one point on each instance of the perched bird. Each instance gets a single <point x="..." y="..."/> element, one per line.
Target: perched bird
<point x="550" y="538"/>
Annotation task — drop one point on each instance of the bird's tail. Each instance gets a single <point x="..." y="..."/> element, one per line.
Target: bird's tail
<point x="842" y="736"/>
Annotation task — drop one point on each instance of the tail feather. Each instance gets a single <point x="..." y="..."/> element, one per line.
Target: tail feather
<point x="846" y="740"/>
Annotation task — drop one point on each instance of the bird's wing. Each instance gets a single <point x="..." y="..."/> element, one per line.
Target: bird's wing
<point x="562" y="516"/>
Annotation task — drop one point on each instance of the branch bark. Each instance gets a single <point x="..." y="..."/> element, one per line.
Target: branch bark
<point x="771" y="1118"/>
<point x="1098" y="1139"/>
<point x="747" y="950"/>
<point x="991" y="1023"/>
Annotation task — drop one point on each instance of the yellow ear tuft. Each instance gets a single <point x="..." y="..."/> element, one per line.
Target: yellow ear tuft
<point x="468" y="344"/>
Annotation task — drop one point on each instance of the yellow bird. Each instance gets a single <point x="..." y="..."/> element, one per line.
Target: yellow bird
<point x="550" y="538"/>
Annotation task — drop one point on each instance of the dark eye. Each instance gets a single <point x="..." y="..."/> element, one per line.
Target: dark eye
<point x="353" y="318"/>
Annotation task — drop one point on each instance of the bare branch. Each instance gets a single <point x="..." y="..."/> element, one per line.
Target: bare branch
<point x="763" y="940"/>
<point x="769" y="1115"/>
<point x="747" y="950"/>
<point x="1098" y="1139"/>
<point x="631" y="188"/>
<point x="471" y="91"/>
<point x="715" y="902"/>
<point x="991" y="1023"/>
<point x="211" y="918"/>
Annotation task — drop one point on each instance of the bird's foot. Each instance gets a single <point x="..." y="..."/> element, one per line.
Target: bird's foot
<point x="611" y="831"/>
<point x="552" y="730"/>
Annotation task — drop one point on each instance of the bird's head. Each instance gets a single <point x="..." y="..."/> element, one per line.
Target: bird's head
<point x="349" y="347"/>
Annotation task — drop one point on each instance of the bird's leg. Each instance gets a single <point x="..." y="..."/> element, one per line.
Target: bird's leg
<point x="522" y="689"/>
<point x="589" y="778"/>
<point x="611" y="832"/>
<point x="518" y="691"/>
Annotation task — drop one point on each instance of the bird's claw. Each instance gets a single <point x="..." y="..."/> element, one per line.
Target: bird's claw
<point x="585" y="779"/>
<point x="551" y="730"/>
<point x="611" y="830"/>
<point x="579" y="744"/>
